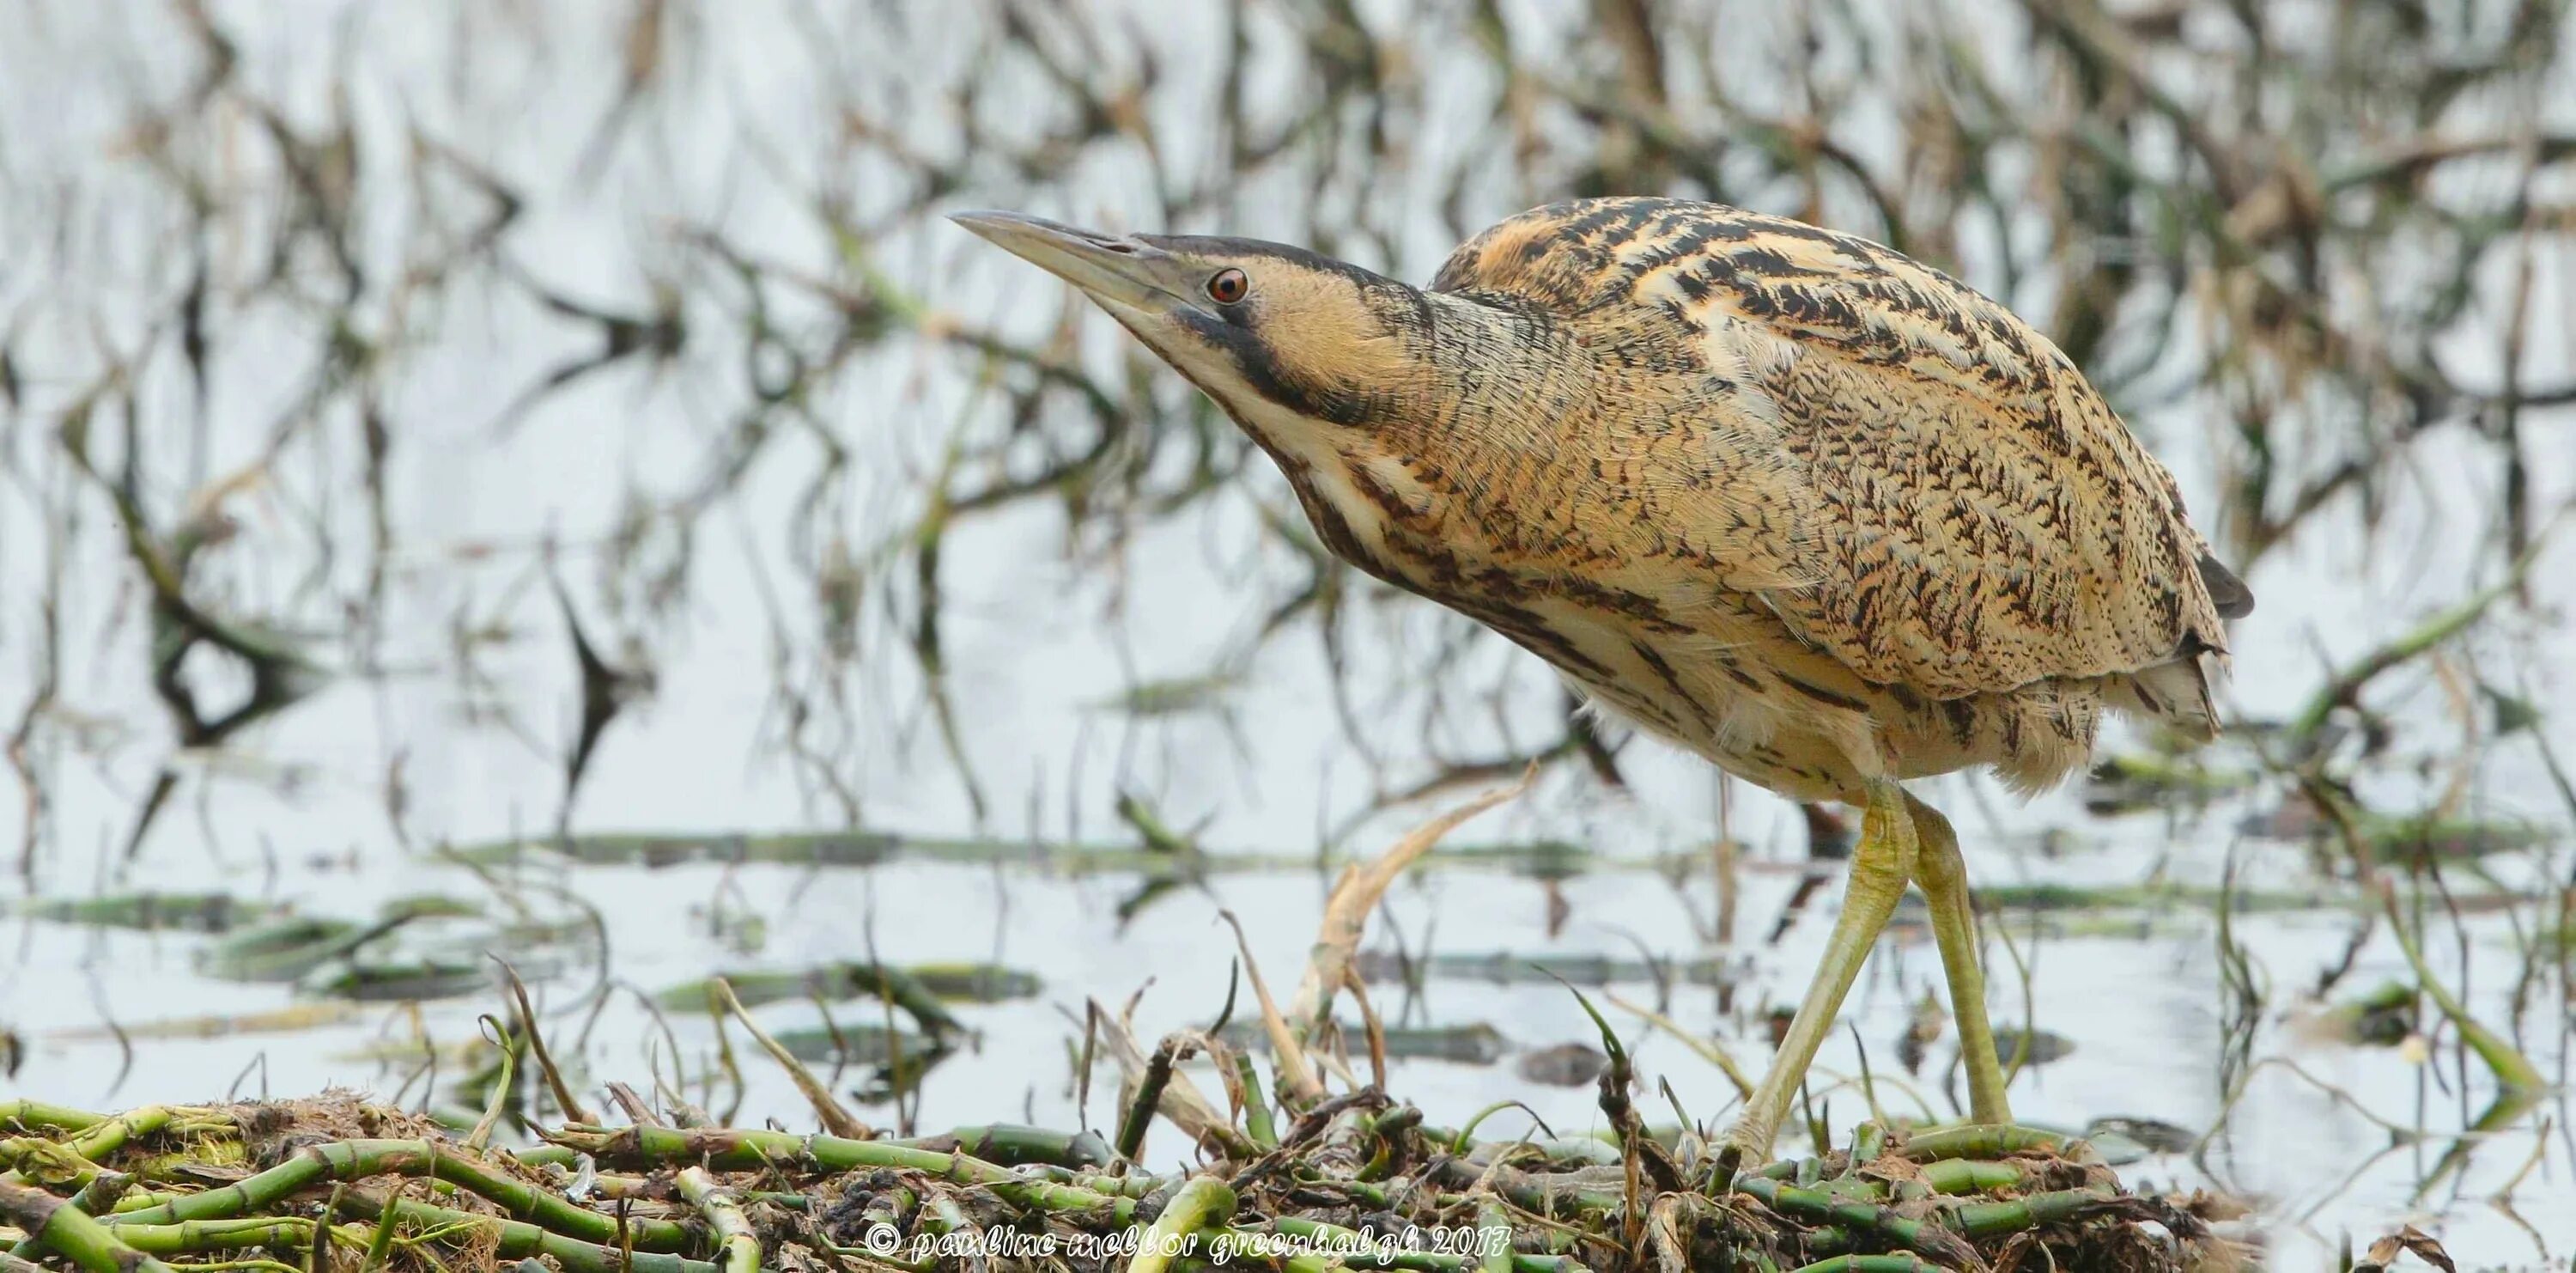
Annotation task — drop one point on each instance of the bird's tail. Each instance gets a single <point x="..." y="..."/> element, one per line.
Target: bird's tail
<point x="2175" y="695"/>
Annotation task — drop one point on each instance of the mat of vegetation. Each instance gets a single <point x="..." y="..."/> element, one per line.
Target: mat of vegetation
<point x="1355" y="1179"/>
<point x="1308" y="1167"/>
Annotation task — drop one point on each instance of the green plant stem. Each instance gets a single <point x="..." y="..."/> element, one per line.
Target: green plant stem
<point x="16" y="1112"/>
<point x="1017" y="1144"/>
<point x="1984" y="1219"/>
<point x="1860" y="1215"/>
<point x="1256" y="1107"/>
<point x="101" y="1194"/>
<point x="1969" y="1175"/>
<point x="547" y="1156"/>
<point x="193" y="1237"/>
<point x="77" y="1237"/>
<point x="351" y="1160"/>
<point x="1979" y="1142"/>
<point x="1492" y="1220"/>
<point x="1902" y="1262"/>
<point x="77" y="1157"/>
<point x="1202" y="1203"/>
<point x="1149" y="1092"/>
<point x="2513" y="1071"/>
<point x="723" y="1212"/>
<point x="742" y="1149"/>
<point x="2347" y="684"/>
<point x="519" y="1240"/>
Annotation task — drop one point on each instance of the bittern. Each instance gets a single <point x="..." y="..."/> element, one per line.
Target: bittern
<point x="1785" y="497"/>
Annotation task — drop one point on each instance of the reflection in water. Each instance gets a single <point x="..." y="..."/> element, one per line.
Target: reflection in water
<point x="428" y="429"/>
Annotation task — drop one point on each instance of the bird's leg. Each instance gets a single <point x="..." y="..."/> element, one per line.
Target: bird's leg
<point x="1881" y="864"/>
<point x="1944" y="877"/>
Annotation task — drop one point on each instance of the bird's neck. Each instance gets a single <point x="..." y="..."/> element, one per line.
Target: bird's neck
<point x="1499" y="437"/>
<point x="1467" y="467"/>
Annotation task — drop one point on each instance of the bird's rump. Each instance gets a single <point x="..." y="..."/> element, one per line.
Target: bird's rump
<point x="1970" y="516"/>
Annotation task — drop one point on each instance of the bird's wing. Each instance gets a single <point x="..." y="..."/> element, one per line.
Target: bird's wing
<point x="1964" y="511"/>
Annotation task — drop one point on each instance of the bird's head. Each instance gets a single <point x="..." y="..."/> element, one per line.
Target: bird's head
<point x="1287" y="340"/>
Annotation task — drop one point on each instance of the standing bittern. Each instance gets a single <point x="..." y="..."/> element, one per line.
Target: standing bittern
<point x="1814" y="510"/>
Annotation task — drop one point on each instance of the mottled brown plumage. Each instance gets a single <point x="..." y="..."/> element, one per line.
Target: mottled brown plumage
<point x="1815" y="510"/>
<point x="1850" y="515"/>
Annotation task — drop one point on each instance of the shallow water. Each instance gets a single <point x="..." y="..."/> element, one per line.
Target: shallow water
<point x="424" y="737"/>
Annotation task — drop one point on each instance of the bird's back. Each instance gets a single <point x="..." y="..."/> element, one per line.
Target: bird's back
<point x="1915" y="483"/>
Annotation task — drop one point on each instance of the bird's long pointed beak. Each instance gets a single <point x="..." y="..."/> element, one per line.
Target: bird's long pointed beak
<point x="1118" y="273"/>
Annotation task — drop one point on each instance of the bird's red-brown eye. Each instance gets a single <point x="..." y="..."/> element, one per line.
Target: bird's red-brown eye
<point x="1228" y="286"/>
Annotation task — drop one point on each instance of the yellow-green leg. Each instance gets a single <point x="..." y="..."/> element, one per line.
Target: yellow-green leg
<point x="1881" y="864"/>
<point x="1944" y="877"/>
